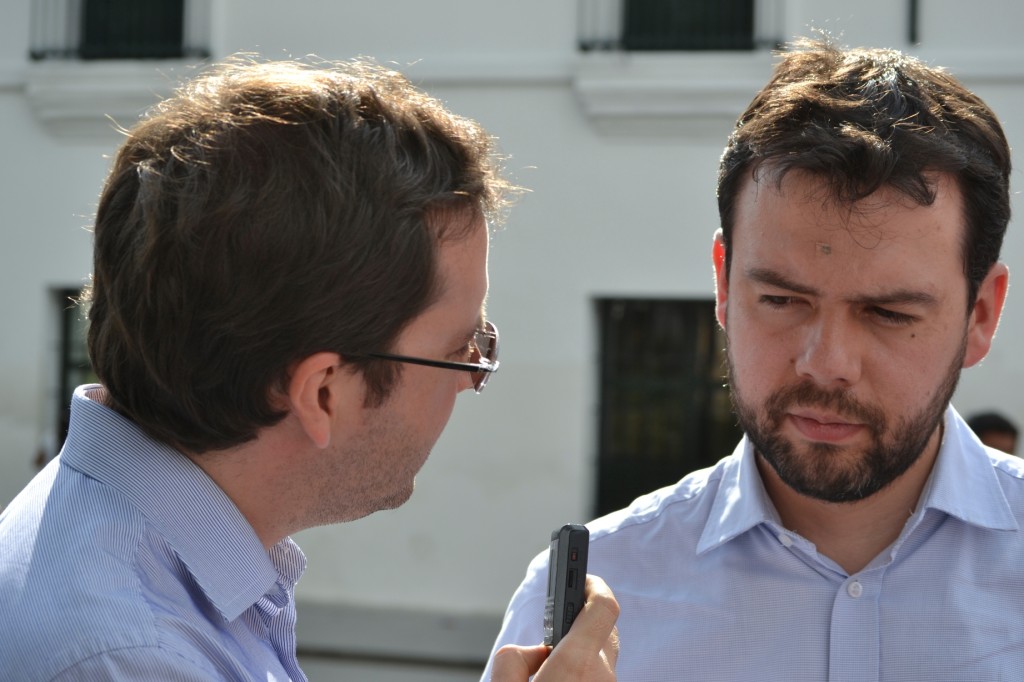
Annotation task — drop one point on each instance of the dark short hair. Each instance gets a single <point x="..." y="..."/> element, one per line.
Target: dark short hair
<point x="864" y="119"/>
<point x="266" y="212"/>
<point x="991" y="422"/>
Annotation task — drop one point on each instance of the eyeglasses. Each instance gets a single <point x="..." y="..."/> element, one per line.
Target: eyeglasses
<point x="484" y="357"/>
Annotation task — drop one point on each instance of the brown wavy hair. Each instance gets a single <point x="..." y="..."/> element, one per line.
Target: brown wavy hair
<point x="266" y="212"/>
<point x="864" y="119"/>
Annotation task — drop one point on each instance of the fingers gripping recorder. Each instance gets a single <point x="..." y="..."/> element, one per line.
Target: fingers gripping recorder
<point x="567" y="574"/>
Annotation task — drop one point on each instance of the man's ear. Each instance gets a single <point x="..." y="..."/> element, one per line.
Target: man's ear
<point x="316" y="391"/>
<point x="984" y="318"/>
<point x="721" y="281"/>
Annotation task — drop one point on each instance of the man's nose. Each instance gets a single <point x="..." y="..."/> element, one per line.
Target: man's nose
<point x="830" y="354"/>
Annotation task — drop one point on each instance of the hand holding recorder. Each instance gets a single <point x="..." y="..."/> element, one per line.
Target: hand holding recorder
<point x="590" y="649"/>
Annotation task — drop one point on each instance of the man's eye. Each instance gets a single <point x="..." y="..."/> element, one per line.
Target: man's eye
<point x="892" y="317"/>
<point x="777" y="301"/>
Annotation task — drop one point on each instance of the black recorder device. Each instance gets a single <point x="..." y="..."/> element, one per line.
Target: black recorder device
<point x="567" y="574"/>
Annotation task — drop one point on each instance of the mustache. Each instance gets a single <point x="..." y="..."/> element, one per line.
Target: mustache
<point x="839" y="401"/>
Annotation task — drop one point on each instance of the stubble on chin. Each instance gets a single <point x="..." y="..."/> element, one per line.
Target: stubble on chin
<point x="837" y="473"/>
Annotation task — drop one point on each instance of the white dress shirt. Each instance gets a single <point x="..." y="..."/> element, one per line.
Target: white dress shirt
<point x="123" y="560"/>
<point x="713" y="587"/>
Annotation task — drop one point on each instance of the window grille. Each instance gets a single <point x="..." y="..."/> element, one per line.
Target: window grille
<point x="679" y="25"/>
<point x="664" y="408"/>
<point x="75" y="368"/>
<point x="692" y="25"/>
<point x="119" y="29"/>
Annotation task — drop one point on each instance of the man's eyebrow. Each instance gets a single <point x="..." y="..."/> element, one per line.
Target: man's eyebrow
<point x="470" y="334"/>
<point x="896" y="297"/>
<point x="774" y="279"/>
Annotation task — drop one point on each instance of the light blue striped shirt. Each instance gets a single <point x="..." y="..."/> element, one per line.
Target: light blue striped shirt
<point x="122" y="560"/>
<point x="712" y="587"/>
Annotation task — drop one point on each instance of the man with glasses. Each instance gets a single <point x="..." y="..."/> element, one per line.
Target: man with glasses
<point x="483" y="350"/>
<point x="288" y="294"/>
<point x="860" y="531"/>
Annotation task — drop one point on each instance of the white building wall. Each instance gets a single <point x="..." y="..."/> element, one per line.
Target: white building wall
<point x="620" y="204"/>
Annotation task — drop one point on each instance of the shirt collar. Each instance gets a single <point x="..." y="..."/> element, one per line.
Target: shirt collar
<point x="741" y="501"/>
<point x="963" y="484"/>
<point x="206" y="530"/>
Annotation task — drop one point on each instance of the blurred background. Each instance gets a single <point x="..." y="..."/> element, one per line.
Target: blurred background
<point x="613" y="113"/>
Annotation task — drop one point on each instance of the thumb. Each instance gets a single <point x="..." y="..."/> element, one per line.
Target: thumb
<point x="513" y="663"/>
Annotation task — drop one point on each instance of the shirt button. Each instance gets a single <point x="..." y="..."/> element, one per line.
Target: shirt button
<point x="785" y="540"/>
<point x="855" y="589"/>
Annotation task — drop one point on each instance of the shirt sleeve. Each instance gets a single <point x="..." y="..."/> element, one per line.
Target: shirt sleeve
<point x="138" y="664"/>
<point x="524" y="619"/>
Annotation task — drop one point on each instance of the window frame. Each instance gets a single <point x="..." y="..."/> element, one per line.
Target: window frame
<point x="664" y="409"/>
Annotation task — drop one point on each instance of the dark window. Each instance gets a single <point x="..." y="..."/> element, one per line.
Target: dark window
<point x="677" y="25"/>
<point x="688" y="25"/>
<point x="119" y="29"/>
<point x="130" y="29"/>
<point x="75" y="368"/>
<point x="664" y="409"/>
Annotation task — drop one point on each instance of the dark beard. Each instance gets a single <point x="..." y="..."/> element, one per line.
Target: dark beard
<point x="829" y="472"/>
